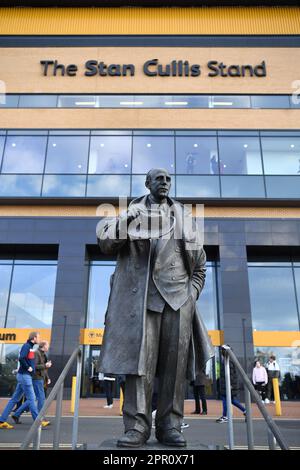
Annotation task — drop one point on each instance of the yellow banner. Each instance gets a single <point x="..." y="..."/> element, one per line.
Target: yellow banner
<point x="20" y="335"/>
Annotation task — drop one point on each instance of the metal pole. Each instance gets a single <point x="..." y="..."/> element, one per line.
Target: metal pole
<point x="228" y="400"/>
<point x="249" y="420"/>
<point x="37" y="442"/>
<point x="271" y="440"/>
<point x="77" y="398"/>
<point x="56" y="433"/>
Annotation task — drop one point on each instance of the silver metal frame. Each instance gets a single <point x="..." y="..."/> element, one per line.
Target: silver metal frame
<point x="34" y="433"/>
<point x="274" y="434"/>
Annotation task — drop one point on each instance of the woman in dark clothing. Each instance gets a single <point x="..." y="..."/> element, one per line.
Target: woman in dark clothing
<point x="199" y="393"/>
<point x="234" y="391"/>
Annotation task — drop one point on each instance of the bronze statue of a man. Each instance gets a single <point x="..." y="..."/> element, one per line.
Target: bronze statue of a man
<point x="152" y="327"/>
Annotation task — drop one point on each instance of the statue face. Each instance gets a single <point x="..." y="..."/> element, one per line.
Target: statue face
<point x="160" y="184"/>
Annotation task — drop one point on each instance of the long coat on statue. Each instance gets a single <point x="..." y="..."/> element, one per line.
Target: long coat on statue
<point x="125" y="336"/>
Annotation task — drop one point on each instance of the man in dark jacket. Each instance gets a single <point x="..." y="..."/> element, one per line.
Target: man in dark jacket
<point x="234" y="390"/>
<point x="199" y="392"/>
<point x="24" y="386"/>
<point x="151" y="327"/>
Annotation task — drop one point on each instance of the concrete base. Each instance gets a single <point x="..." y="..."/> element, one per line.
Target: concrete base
<point x="151" y="446"/>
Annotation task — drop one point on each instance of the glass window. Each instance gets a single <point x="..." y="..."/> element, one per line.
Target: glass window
<point x="207" y="301"/>
<point x="229" y="101"/>
<point x="67" y="154"/>
<point x="153" y="152"/>
<point x="2" y="141"/>
<point x="289" y="363"/>
<point x="197" y="155"/>
<point x="297" y="282"/>
<point x="78" y="101"/>
<point x="138" y="186"/>
<point x="272" y="101"/>
<point x="242" y="186"/>
<point x="281" y="155"/>
<point x="240" y="156"/>
<point x="99" y="288"/>
<point x="9" y="354"/>
<point x="295" y="101"/>
<point x="5" y="276"/>
<point x="283" y="186"/>
<point x="24" y="154"/>
<point x="37" y="101"/>
<point x="110" y="155"/>
<point x="64" y="186"/>
<point x="9" y="101"/>
<point x="273" y="299"/>
<point x="32" y="296"/>
<point x="197" y="186"/>
<point x="20" y="185"/>
<point x="108" y="186"/>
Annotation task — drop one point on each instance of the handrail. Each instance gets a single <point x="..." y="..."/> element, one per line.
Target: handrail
<point x="273" y="430"/>
<point x="57" y="392"/>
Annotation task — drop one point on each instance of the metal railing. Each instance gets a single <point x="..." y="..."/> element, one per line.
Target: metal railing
<point x="34" y="433"/>
<point x="274" y="434"/>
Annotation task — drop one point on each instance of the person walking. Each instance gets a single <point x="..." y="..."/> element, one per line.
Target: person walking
<point x="273" y="371"/>
<point x="199" y="393"/>
<point x="234" y="390"/>
<point x="39" y="378"/>
<point x="109" y="381"/>
<point x="24" y="382"/>
<point x="260" y="379"/>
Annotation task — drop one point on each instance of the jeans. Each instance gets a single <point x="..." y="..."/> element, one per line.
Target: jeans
<point x="235" y="402"/>
<point x="24" y="387"/>
<point x="38" y="387"/>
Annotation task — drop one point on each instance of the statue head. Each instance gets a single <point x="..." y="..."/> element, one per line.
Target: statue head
<point x="158" y="181"/>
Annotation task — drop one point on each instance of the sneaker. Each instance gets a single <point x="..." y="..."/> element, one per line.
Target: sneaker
<point x="6" y="425"/>
<point x="16" y="419"/>
<point x="195" y="412"/>
<point x="185" y="425"/>
<point x="203" y="413"/>
<point x="223" y="419"/>
<point x="45" y="424"/>
<point x="107" y="406"/>
<point x="267" y="401"/>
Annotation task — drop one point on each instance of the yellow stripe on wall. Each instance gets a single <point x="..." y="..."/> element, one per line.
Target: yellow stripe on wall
<point x="276" y="338"/>
<point x="150" y="21"/>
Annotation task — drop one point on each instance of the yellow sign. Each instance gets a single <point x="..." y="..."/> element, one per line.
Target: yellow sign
<point x="91" y="336"/>
<point x="20" y="335"/>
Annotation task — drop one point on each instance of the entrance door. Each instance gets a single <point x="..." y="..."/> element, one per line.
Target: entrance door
<point x="95" y="388"/>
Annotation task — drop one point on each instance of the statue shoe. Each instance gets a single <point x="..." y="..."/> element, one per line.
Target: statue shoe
<point x="132" y="438"/>
<point x="171" y="437"/>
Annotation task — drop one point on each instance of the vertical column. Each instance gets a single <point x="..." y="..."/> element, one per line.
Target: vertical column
<point x="235" y="293"/>
<point x="69" y="305"/>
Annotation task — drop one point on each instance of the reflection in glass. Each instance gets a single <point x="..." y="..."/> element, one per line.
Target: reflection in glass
<point x="64" y="186"/>
<point x="283" y="187"/>
<point x="32" y="296"/>
<point x="281" y="155"/>
<point x="273" y="299"/>
<point x="240" y="156"/>
<point x="207" y="302"/>
<point x="196" y="155"/>
<point x="138" y="186"/>
<point x="8" y="363"/>
<point x="99" y="288"/>
<point x="37" y="101"/>
<point x="153" y="152"/>
<point x="24" y="154"/>
<point x="2" y="140"/>
<point x="9" y="101"/>
<point x="20" y="185"/>
<point x="197" y="186"/>
<point x="108" y="186"/>
<point x="242" y="186"/>
<point x="297" y="282"/>
<point x="272" y="101"/>
<point x="67" y="154"/>
<point x="110" y="155"/>
<point x="5" y="275"/>
<point x="229" y="101"/>
<point x="77" y="101"/>
<point x="289" y="363"/>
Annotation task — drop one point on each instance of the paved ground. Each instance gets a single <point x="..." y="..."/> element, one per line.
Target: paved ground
<point x="204" y="431"/>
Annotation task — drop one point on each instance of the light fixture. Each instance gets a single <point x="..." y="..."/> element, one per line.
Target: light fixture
<point x="222" y="103"/>
<point x="131" y="103"/>
<point x="54" y="145"/>
<point x="126" y="165"/>
<point x="176" y="103"/>
<point x="79" y="166"/>
<point x="101" y="145"/>
<point x="149" y="145"/>
<point x="292" y="146"/>
<point x="245" y="146"/>
<point x="196" y="145"/>
<point x="13" y="144"/>
<point x="85" y="103"/>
